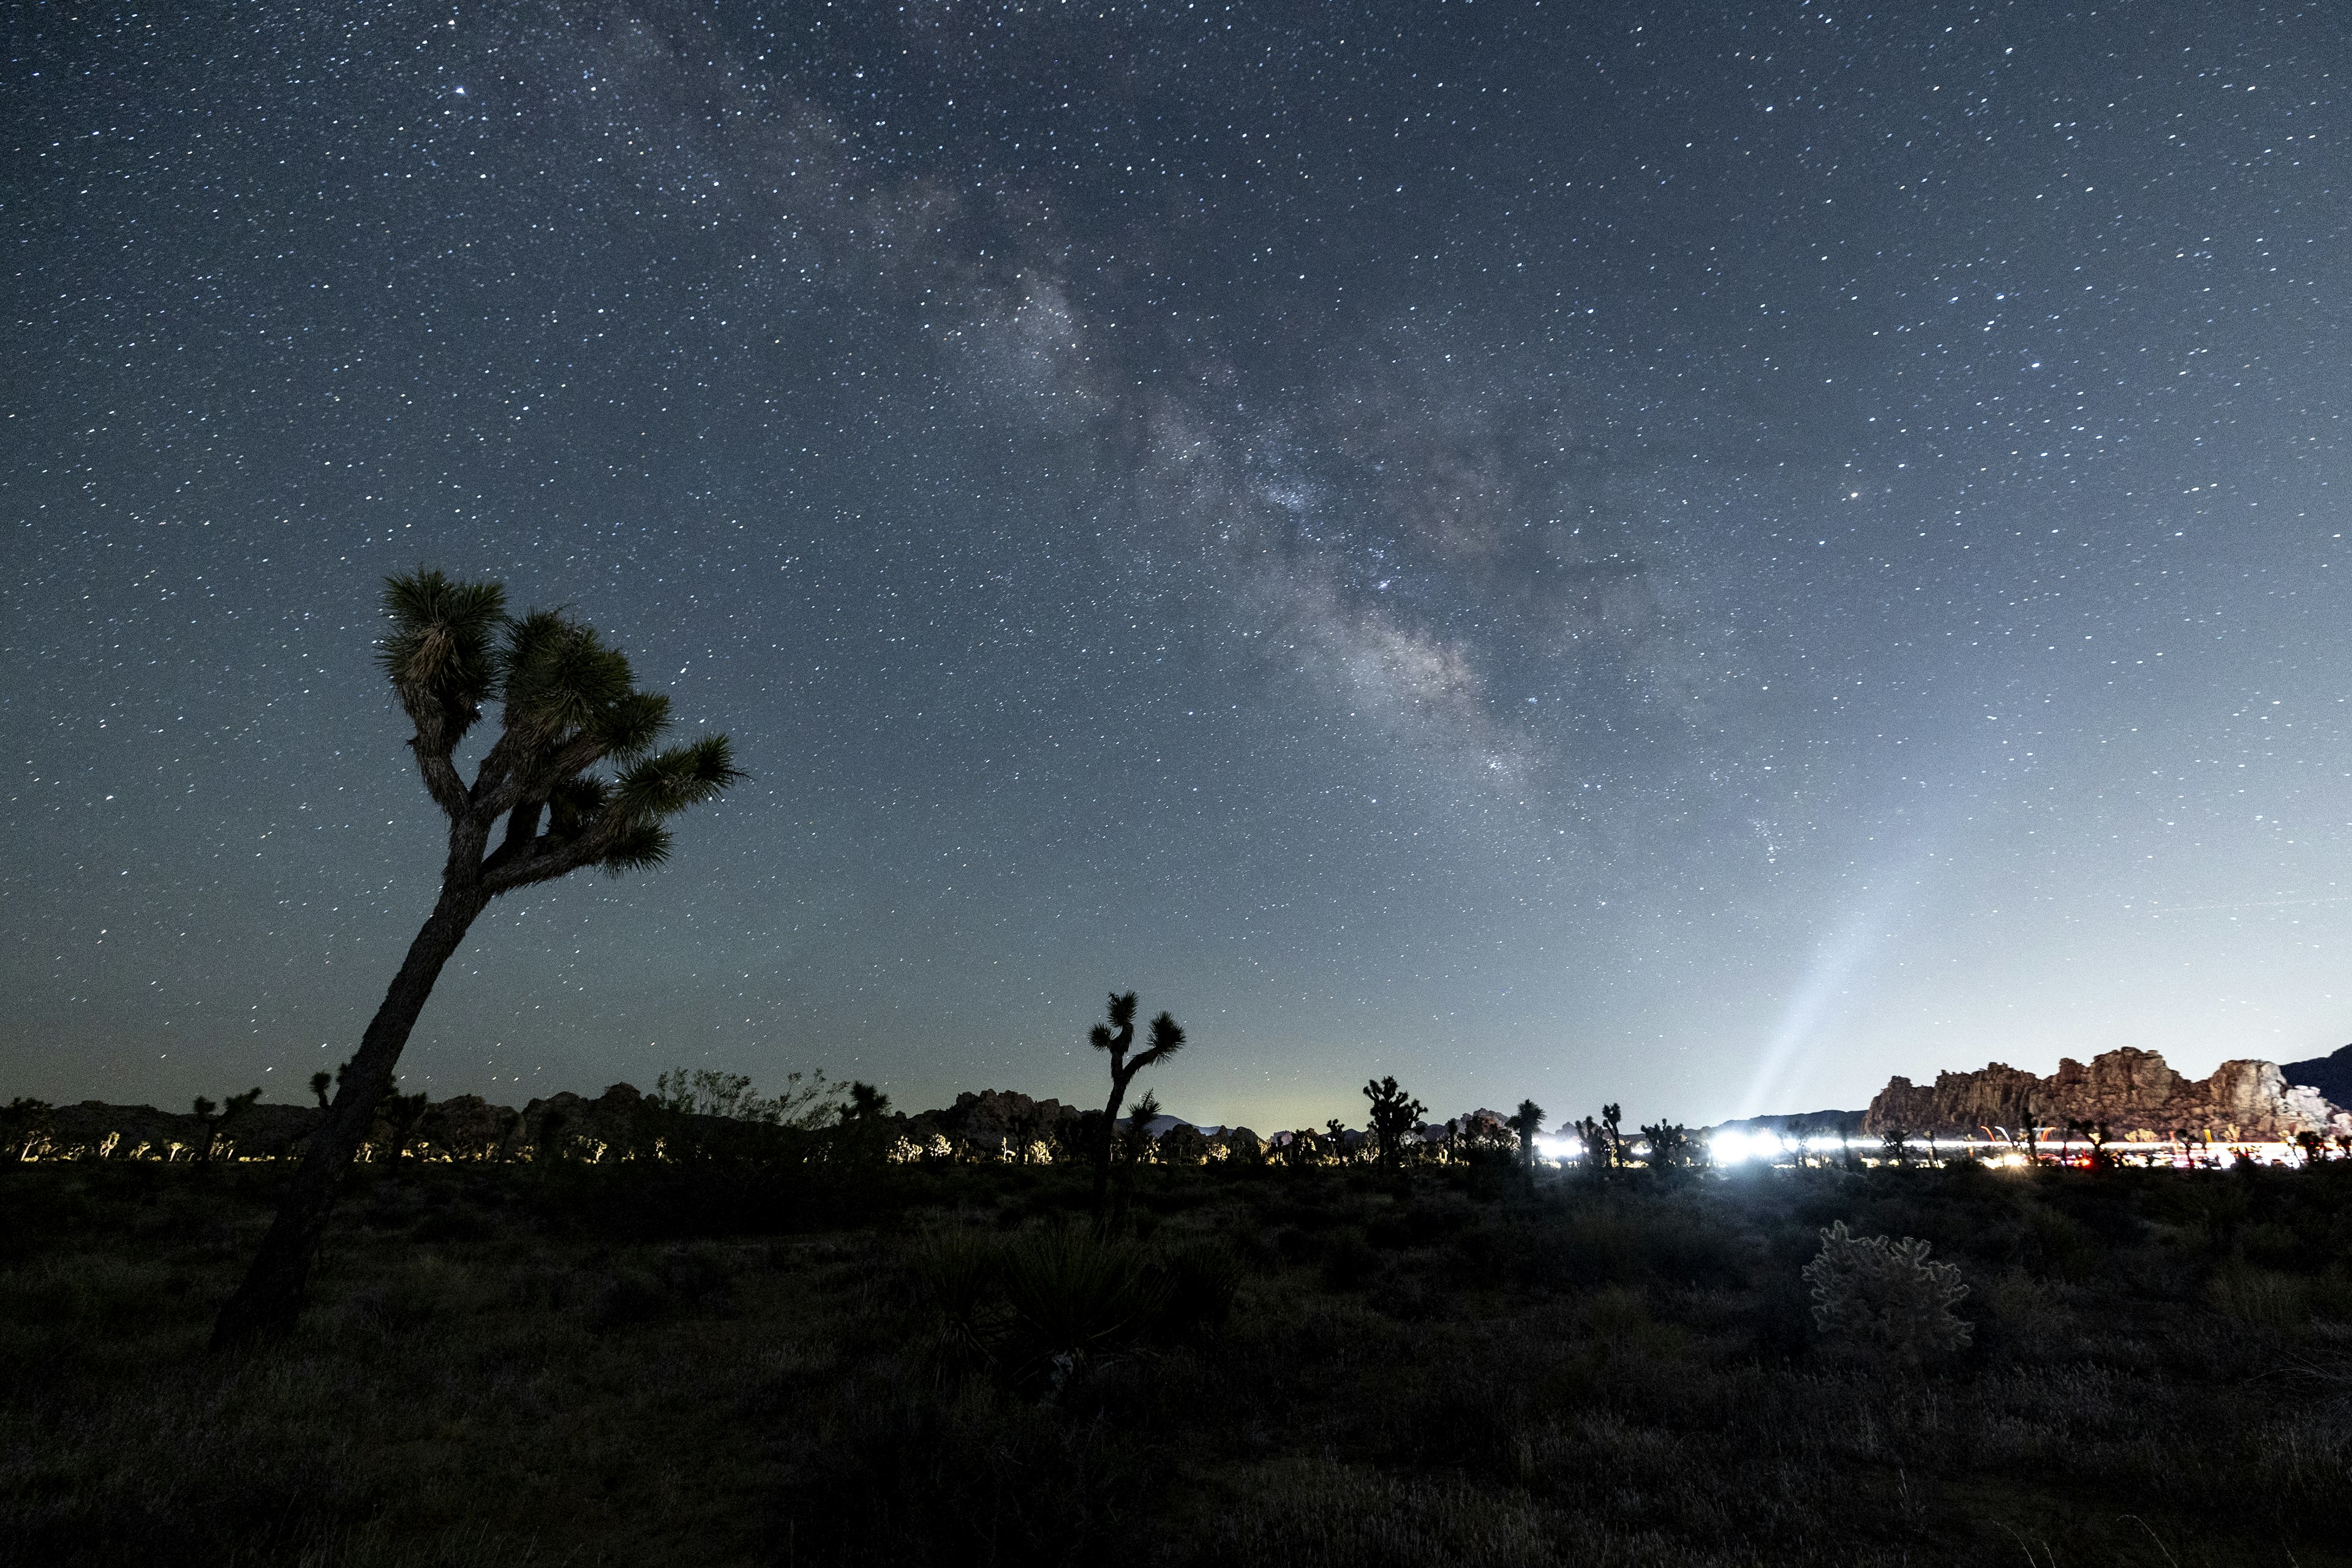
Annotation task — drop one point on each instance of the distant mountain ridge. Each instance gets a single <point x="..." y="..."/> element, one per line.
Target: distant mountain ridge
<point x="2331" y="1075"/>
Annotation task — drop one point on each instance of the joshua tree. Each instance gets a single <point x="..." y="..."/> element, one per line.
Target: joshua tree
<point x="321" y="1081"/>
<point x="1117" y="1037"/>
<point x="23" y="1129"/>
<point x="865" y="1102"/>
<point x="1897" y="1143"/>
<point x="1394" y="1115"/>
<point x="399" y="1115"/>
<point x="2096" y="1134"/>
<point x="216" y="1117"/>
<point x="1603" y="1141"/>
<point x="1671" y="1145"/>
<point x="1527" y="1124"/>
<point x="569" y="705"/>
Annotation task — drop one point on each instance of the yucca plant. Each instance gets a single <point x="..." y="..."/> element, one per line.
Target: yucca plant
<point x="955" y="1273"/>
<point x="574" y="780"/>
<point x="1074" y="1294"/>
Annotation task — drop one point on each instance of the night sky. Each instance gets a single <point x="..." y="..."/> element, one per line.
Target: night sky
<point x="1692" y="556"/>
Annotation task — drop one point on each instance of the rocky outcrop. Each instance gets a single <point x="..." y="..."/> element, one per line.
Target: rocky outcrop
<point x="1003" y="1119"/>
<point x="2131" y="1090"/>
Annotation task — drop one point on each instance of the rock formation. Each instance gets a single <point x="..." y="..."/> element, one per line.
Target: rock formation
<point x="1003" y="1119"/>
<point x="2132" y="1092"/>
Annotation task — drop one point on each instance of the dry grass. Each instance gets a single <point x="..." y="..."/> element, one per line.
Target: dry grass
<point x="503" y="1368"/>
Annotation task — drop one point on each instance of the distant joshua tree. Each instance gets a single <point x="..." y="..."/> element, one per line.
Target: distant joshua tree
<point x="1672" y="1147"/>
<point x="216" y="1117"/>
<point x="402" y="1115"/>
<point x="1527" y="1124"/>
<point x="569" y="705"/>
<point x="1394" y="1113"/>
<point x="2098" y="1134"/>
<point x="1118" y="1037"/>
<point x="321" y="1081"/>
<point x="25" y="1127"/>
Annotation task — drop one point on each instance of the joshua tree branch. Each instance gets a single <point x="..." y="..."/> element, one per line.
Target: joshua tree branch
<point x="442" y="781"/>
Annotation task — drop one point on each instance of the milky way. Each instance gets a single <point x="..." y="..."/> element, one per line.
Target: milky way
<point x="1699" y="556"/>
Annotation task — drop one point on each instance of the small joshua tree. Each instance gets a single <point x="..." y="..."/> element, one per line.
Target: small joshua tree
<point x="1335" y="1142"/>
<point x="1885" y="1294"/>
<point x="2098" y="1134"/>
<point x="1604" y="1144"/>
<point x="1118" y="1037"/>
<point x="569" y="706"/>
<point x="321" y="1081"/>
<point x="1394" y="1113"/>
<point x="23" y="1129"/>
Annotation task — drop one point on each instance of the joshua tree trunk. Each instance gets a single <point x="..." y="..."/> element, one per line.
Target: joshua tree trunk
<point x="1118" y="1082"/>
<point x="266" y="1304"/>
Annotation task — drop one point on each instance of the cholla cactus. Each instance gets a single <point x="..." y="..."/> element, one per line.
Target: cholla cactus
<point x="1885" y="1293"/>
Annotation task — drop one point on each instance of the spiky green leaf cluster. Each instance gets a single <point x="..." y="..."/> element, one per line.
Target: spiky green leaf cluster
<point x="561" y="683"/>
<point x="442" y="655"/>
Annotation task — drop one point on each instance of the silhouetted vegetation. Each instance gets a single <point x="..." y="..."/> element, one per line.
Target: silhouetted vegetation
<point x="1116" y="1038"/>
<point x="1393" y="1114"/>
<point x="729" y="1340"/>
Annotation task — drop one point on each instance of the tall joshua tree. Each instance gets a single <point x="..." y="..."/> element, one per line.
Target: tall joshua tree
<point x="1393" y="1114"/>
<point x="569" y="706"/>
<point x="1118" y="1037"/>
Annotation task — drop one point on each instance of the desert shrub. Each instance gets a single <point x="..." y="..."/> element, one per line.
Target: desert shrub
<point x="2058" y="1245"/>
<point x="2260" y="1297"/>
<point x="91" y="1294"/>
<point x="902" y="1475"/>
<point x="1885" y="1294"/>
<point x="1348" y="1260"/>
<point x="696" y="1274"/>
<point x="451" y="1225"/>
<point x="1418" y="1224"/>
<point x="1309" y="1513"/>
<point x="1202" y="1283"/>
<point x="1614" y="1237"/>
<point x="623" y="1298"/>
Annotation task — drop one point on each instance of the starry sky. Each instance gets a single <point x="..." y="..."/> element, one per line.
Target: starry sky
<point x="1696" y="556"/>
